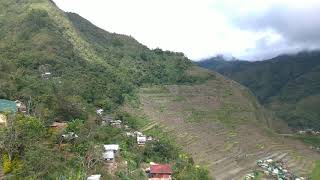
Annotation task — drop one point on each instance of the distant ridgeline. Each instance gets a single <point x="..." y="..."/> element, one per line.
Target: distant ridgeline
<point x="67" y="65"/>
<point x="287" y="84"/>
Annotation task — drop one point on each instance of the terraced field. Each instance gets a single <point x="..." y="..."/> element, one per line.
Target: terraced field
<point x="224" y="128"/>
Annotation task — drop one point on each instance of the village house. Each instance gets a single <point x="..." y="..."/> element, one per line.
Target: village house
<point x="106" y="119"/>
<point x="149" y="138"/>
<point x="116" y="123"/>
<point x="141" y="140"/>
<point x="46" y="75"/>
<point x="309" y="132"/>
<point x="137" y="133"/>
<point x="70" y="136"/>
<point x="99" y="112"/>
<point x="160" y="172"/>
<point x="6" y="107"/>
<point x="58" y="127"/>
<point x="112" y="147"/>
<point x="108" y="156"/>
<point x="94" y="177"/>
<point x="130" y="134"/>
<point x="21" y="107"/>
<point x="111" y="151"/>
<point x="3" y="119"/>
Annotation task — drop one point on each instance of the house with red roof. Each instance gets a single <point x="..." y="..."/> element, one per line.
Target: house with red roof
<point x="160" y="172"/>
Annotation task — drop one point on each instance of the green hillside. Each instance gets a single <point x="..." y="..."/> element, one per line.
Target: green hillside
<point x="66" y="67"/>
<point x="288" y="84"/>
<point x="88" y="66"/>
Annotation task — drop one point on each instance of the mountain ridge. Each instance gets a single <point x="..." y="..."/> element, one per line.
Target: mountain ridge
<point x="286" y="79"/>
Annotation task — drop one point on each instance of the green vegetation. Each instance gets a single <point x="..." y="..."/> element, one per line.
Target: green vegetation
<point x="287" y="84"/>
<point x="65" y="68"/>
<point x="311" y="140"/>
<point x="29" y="150"/>
<point x="33" y="43"/>
<point x="316" y="171"/>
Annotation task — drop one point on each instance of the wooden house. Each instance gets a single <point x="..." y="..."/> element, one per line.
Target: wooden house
<point x="160" y="172"/>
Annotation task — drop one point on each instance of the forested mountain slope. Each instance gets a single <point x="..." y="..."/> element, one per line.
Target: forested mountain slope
<point x="288" y="84"/>
<point x="88" y="66"/>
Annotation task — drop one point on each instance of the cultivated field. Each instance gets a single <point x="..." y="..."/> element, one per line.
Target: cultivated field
<point x="221" y="124"/>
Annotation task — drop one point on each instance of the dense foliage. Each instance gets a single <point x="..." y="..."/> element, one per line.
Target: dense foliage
<point x="288" y="84"/>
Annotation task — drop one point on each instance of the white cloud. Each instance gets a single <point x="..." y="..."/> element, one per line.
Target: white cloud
<point x="198" y="28"/>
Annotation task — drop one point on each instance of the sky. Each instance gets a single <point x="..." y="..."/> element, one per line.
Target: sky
<point x="245" y="29"/>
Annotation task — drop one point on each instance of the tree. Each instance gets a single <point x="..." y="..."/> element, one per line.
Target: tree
<point x="21" y="132"/>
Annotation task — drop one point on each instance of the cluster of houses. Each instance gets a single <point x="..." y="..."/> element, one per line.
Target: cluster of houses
<point x="10" y="107"/>
<point x="111" y="151"/>
<point x="108" y="119"/>
<point x="277" y="169"/>
<point x="59" y="127"/>
<point x="309" y="132"/>
<point x="315" y="148"/>
<point x="140" y="137"/>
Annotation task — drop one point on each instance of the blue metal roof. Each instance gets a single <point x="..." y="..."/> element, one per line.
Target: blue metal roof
<point x="8" y="106"/>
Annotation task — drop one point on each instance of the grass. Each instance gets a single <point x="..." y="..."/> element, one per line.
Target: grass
<point x="179" y="99"/>
<point x="162" y="108"/>
<point x="155" y="90"/>
<point x="197" y="116"/>
<point x="232" y="133"/>
<point x="316" y="171"/>
<point x="311" y="140"/>
<point x="260" y="146"/>
<point x="258" y="175"/>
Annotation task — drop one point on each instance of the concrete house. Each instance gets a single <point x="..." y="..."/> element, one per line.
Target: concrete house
<point x="109" y="155"/>
<point x="111" y="151"/>
<point x="141" y="140"/>
<point x="94" y="177"/>
<point x="111" y="147"/>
